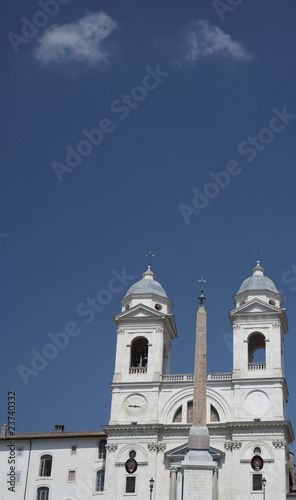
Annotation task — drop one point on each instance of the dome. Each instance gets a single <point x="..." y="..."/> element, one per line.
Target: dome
<point x="147" y="285"/>
<point x="258" y="282"/>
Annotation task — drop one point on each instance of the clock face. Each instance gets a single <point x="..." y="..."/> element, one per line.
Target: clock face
<point x="257" y="402"/>
<point x="135" y="405"/>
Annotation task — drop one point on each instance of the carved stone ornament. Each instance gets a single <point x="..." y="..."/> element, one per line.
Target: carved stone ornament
<point x="159" y="329"/>
<point x="279" y="443"/>
<point x="120" y="331"/>
<point x="173" y="471"/>
<point x="152" y="446"/>
<point x="156" y="446"/>
<point x="228" y="445"/>
<point x="232" y="445"/>
<point x="111" y="447"/>
<point x="236" y="326"/>
<point x="276" y="325"/>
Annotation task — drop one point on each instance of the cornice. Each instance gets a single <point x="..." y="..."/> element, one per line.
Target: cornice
<point x="136" y="385"/>
<point x="263" y="425"/>
<point x="270" y="312"/>
<point x="261" y="381"/>
<point x="151" y="295"/>
<point x="125" y="318"/>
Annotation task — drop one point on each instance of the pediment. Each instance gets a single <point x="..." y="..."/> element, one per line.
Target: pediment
<point x="142" y="312"/>
<point x="139" y="311"/>
<point x="259" y="307"/>
<point x="255" y="306"/>
<point x="180" y="452"/>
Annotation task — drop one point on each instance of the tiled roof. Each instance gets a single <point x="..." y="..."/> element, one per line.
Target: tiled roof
<point x="52" y="435"/>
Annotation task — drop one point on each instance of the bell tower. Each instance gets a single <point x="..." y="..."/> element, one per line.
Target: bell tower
<point x="259" y="324"/>
<point x="145" y="329"/>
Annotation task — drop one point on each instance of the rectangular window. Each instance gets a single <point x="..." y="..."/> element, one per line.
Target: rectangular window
<point x="71" y="475"/>
<point x="100" y="479"/>
<point x="130" y="486"/>
<point x="73" y="450"/>
<point x="20" y="451"/>
<point x="102" y="449"/>
<point x="18" y="478"/>
<point x="257" y="482"/>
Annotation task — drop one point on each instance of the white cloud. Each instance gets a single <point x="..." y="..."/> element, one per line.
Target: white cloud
<point x="80" y="41"/>
<point x="203" y="39"/>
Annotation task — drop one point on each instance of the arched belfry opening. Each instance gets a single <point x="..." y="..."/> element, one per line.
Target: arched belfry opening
<point x="139" y="355"/>
<point x="256" y="351"/>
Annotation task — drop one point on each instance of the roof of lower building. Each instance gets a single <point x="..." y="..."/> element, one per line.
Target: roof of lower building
<point x="52" y="435"/>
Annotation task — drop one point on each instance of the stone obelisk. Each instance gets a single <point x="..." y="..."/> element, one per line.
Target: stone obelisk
<point x="198" y="465"/>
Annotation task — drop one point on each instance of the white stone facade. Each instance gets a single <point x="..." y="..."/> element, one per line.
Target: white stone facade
<point x="151" y="411"/>
<point x="69" y="473"/>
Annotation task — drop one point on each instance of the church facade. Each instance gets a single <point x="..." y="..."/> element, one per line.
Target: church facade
<point x="142" y="452"/>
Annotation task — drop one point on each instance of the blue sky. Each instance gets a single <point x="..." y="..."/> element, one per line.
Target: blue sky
<point x="128" y="127"/>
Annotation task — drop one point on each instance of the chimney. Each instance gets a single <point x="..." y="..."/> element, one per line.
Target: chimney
<point x="59" y="428"/>
<point x="4" y="431"/>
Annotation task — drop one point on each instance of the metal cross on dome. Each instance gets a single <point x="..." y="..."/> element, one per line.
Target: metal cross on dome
<point x="258" y="250"/>
<point x="149" y="255"/>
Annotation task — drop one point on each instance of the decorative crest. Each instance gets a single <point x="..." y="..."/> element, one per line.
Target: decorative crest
<point x="149" y="255"/>
<point x="201" y="297"/>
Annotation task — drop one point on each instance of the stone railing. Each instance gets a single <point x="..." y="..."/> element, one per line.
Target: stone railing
<point x="257" y="366"/>
<point x="177" y="378"/>
<point x="219" y="376"/>
<point x="189" y="377"/>
<point x="137" y="370"/>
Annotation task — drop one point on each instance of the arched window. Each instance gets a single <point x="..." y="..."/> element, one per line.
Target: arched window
<point x="139" y="356"/>
<point x="100" y="480"/>
<point x="102" y="449"/>
<point x="189" y="412"/>
<point x="42" y="493"/>
<point x="256" y="351"/>
<point x="214" y="417"/>
<point x="187" y="407"/>
<point x="45" y="465"/>
<point x="178" y="415"/>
